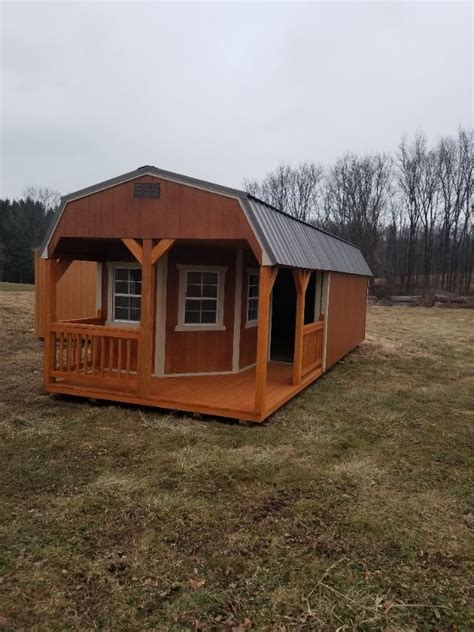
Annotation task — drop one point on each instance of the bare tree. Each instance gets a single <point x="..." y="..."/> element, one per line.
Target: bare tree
<point x="49" y="198"/>
<point x="409" y="162"/>
<point x="455" y="178"/>
<point x="418" y="181"/>
<point x="413" y="223"/>
<point x="294" y="190"/>
<point x="429" y="194"/>
<point x="356" y="197"/>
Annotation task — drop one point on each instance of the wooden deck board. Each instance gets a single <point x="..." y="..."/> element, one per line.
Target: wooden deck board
<point x="230" y="395"/>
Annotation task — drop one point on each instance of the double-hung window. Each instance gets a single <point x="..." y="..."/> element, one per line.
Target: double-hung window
<point x="201" y="297"/>
<point x="126" y="293"/>
<point x="252" y="297"/>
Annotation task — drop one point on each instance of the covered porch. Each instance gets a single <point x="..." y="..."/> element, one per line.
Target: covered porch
<point x="94" y="358"/>
<point x="231" y="396"/>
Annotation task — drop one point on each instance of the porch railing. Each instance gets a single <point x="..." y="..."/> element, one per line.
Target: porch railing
<point x="89" y="350"/>
<point x="312" y="356"/>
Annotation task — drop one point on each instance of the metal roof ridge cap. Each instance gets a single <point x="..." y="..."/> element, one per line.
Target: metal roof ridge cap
<point x="154" y="171"/>
<point x="105" y="184"/>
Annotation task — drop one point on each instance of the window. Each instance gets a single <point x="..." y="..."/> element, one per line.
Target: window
<point x="127" y="292"/>
<point x="252" y="297"/>
<point x="201" y="305"/>
<point x="201" y="298"/>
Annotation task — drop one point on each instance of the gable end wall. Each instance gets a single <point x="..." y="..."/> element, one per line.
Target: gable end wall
<point x="181" y="212"/>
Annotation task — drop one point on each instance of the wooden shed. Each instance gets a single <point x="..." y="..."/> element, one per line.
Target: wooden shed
<point x="204" y="298"/>
<point x="76" y="292"/>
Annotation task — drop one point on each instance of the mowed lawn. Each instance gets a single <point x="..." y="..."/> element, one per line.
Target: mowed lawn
<point x="351" y="509"/>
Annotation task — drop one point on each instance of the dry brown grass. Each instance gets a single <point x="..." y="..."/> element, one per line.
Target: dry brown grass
<point x="348" y="510"/>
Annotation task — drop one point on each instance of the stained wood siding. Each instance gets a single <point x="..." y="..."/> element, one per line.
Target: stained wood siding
<point x="181" y="212"/>
<point x="346" y="315"/>
<point x="199" y="351"/>
<point x="76" y="292"/>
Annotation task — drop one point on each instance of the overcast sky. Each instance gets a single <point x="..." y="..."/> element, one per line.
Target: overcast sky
<point x="222" y="91"/>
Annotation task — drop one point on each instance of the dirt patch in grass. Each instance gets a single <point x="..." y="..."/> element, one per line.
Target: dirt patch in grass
<point x="349" y="510"/>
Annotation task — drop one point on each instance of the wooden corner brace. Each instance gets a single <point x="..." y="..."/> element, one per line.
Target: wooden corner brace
<point x="135" y="249"/>
<point x="160" y="249"/>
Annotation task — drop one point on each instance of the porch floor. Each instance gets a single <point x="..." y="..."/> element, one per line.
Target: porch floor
<point x="231" y="395"/>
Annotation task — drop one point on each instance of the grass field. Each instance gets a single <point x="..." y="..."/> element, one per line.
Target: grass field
<point x="15" y="287"/>
<point x="349" y="510"/>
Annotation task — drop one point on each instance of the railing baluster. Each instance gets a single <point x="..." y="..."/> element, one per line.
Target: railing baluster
<point x="78" y="353"/>
<point x="89" y="352"/>
<point x="68" y="353"/>
<point x="52" y="342"/>
<point x="111" y="350"/>
<point x="119" y="358"/>
<point x="92" y="354"/>
<point x="129" y="344"/>
<point x="84" y="354"/>
<point x="102" y="355"/>
<point x="86" y="350"/>
<point x="61" y="351"/>
<point x="313" y="334"/>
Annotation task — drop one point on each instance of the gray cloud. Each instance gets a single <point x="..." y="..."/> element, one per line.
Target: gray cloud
<point x="222" y="91"/>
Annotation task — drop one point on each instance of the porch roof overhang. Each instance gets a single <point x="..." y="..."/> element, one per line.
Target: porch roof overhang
<point x="284" y="240"/>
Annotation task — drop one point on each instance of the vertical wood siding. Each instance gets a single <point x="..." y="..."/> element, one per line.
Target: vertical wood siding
<point x="347" y="315"/>
<point x="199" y="351"/>
<point x="76" y="292"/>
<point x="181" y="212"/>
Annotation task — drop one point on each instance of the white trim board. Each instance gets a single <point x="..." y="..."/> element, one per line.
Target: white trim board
<point x="237" y="310"/>
<point x="325" y="312"/>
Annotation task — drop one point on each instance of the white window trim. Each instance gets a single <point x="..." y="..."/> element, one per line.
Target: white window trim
<point x="250" y="323"/>
<point x="219" y="326"/>
<point x="111" y="265"/>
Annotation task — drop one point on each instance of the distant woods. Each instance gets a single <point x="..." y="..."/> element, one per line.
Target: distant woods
<point x="410" y="213"/>
<point x="23" y="224"/>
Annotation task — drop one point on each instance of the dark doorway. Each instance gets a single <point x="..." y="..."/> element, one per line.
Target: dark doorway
<point x="310" y="299"/>
<point x="283" y="317"/>
<point x="282" y="343"/>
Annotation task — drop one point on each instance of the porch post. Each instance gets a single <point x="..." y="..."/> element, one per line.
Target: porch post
<point x="266" y="281"/>
<point x="148" y="256"/>
<point x="50" y="277"/>
<point x="301" y="278"/>
<point x="146" y="346"/>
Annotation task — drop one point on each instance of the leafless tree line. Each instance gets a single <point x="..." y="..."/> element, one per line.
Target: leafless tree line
<point x="410" y="213"/>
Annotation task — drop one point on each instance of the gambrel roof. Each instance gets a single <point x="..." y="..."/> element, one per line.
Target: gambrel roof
<point x="286" y="241"/>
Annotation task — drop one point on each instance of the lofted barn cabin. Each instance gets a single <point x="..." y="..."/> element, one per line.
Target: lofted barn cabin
<point x="198" y="297"/>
